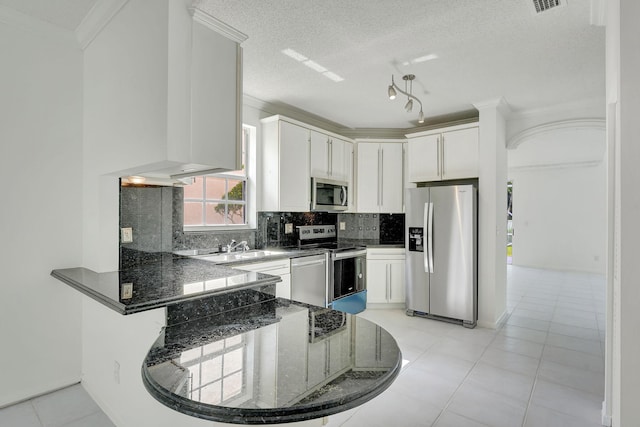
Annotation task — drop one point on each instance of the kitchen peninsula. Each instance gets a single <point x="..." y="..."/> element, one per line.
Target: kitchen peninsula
<point x="228" y="349"/>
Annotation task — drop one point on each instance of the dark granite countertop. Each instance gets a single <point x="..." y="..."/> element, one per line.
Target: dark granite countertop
<point x="374" y="243"/>
<point x="274" y="361"/>
<point x="279" y="253"/>
<point x="170" y="280"/>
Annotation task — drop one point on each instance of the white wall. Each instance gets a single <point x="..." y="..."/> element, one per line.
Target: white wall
<point x="559" y="200"/>
<point x="40" y="168"/>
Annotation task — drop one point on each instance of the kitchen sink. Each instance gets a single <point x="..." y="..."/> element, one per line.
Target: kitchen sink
<point x="239" y="256"/>
<point x="220" y="257"/>
<point x="258" y="254"/>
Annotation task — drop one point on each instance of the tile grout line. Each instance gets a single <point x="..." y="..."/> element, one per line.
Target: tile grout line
<point x="448" y="403"/>
<point x="535" y="378"/>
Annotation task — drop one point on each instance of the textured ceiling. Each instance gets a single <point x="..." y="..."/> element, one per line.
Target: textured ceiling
<point x="485" y="50"/>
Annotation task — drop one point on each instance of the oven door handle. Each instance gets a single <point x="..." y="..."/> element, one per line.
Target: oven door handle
<point x="348" y="254"/>
<point x="306" y="263"/>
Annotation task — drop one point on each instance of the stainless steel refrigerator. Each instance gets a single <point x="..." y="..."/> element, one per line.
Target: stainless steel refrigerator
<point x="441" y="252"/>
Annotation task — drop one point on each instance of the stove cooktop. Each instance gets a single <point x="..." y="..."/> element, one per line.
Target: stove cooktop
<point x="322" y="237"/>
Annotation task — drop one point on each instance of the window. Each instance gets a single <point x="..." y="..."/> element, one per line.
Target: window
<point x="218" y="199"/>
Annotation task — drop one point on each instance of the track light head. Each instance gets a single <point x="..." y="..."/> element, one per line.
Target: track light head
<point x="392" y="92"/>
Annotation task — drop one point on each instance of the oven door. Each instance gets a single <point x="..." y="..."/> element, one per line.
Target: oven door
<point x="349" y="272"/>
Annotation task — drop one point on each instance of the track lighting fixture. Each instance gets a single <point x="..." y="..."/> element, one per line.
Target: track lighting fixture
<point x="408" y="88"/>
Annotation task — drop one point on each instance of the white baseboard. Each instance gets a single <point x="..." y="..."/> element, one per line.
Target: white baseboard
<point x="606" y="418"/>
<point x="387" y="305"/>
<point x="494" y="325"/>
<point x="40" y="391"/>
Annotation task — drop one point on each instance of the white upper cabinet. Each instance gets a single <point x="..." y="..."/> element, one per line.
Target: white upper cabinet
<point x="329" y="157"/>
<point x="319" y="154"/>
<point x="216" y="98"/>
<point x="444" y="154"/>
<point x="380" y="177"/>
<point x="162" y="91"/>
<point x="292" y="153"/>
<point x="285" y="183"/>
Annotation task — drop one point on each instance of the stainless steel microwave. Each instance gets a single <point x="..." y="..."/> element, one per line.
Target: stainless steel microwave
<point x="329" y="195"/>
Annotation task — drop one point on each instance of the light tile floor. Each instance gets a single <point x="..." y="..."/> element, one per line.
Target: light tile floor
<point x="543" y="368"/>
<point x="69" y="407"/>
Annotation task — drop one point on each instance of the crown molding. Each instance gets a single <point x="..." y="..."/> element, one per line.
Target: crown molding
<point x="499" y="104"/>
<point x="216" y="25"/>
<point x="282" y="109"/>
<point x="564" y="125"/>
<point x="98" y="17"/>
<point x="29" y="23"/>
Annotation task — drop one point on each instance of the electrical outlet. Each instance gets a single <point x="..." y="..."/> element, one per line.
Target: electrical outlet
<point x="116" y="372"/>
<point x="127" y="291"/>
<point x="343" y="225"/>
<point x="126" y="235"/>
<point x="288" y="228"/>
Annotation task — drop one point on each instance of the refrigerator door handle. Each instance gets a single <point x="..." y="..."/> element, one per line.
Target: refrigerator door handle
<point x="430" y="237"/>
<point x="425" y="254"/>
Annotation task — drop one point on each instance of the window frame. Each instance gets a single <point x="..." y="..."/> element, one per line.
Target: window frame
<point x="246" y="161"/>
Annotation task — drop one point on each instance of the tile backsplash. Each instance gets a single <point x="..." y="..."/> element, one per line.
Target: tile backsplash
<point x="272" y="231"/>
<point x="379" y="228"/>
<point x="156" y="215"/>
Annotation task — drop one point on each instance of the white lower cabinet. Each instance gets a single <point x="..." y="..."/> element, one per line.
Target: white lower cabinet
<point x="385" y="277"/>
<point x="280" y="268"/>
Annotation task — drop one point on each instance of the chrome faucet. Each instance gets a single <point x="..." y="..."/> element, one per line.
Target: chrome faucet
<point x="233" y="246"/>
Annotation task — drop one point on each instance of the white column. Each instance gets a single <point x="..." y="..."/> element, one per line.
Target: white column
<point x="623" y="96"/>
<point x="492" y="213"/>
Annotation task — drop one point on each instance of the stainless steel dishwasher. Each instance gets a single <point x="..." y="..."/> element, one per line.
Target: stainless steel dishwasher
<point x="309" y="280"/>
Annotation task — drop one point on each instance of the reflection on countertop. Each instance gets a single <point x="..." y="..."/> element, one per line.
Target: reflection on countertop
<point x="263" y="364"/>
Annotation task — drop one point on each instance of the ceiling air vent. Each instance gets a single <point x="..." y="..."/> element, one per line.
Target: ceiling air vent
<point x="544" y="5"/>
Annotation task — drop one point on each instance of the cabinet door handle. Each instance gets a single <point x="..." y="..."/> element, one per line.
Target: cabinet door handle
<point x="389" y="281"/>
<point x="379" y="167"/>
<point x="442" y="145"/>
<point x="439" y="156"/>
<point x="381" y="177"/>
<point x="388" y="291"/>
<point x="331" y="157"/>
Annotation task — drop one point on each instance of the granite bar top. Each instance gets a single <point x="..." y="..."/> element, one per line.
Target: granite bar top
<point x="275" y="361"/>
<point x="170" y="280"/>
